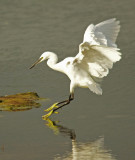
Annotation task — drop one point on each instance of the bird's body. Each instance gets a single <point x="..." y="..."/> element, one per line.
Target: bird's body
<point x="96" y="56"/>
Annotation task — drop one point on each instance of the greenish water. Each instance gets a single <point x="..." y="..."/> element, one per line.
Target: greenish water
<point x="102" y="123"/>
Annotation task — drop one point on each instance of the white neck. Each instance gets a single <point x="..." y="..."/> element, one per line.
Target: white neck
<point x="52" y="60"/>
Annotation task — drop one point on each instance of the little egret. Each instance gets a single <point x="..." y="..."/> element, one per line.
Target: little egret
<point x="96" y="56"/>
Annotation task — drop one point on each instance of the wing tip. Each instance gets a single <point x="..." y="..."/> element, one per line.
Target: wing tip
<point x="95" y="87"/>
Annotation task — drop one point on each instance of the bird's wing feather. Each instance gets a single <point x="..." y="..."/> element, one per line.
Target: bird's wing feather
<point x="97" y="59"/>
<point x="98" y="52"/>
<point x="104" y="33"/>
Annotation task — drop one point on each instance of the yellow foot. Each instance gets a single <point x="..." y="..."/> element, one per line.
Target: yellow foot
<point x="52" y="107"/>
<point x="45" y="117"/>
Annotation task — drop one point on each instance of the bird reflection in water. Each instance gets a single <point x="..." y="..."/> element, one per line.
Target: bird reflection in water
<point x="80" y="151"/>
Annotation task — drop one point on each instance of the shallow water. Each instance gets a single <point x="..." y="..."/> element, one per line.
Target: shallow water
<point x="30" y="27"/>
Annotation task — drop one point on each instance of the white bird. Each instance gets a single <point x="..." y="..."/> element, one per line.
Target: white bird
<point x="96" y="56"/>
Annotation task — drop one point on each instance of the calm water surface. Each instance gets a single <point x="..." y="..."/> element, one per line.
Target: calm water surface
<point x="91" y="126"/>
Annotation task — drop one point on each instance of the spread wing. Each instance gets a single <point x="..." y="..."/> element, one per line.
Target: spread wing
<point x="104" y="33"/>
<point x="98" y="52"/>
<point x="96" y="61"/>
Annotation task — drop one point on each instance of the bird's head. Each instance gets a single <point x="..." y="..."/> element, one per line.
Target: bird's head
<point x="42" y="58"/>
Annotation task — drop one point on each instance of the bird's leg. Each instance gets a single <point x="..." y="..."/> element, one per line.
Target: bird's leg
<point x="71" y="97"/>
<point x="57" y="106"/>
<point x="64" y="103"/>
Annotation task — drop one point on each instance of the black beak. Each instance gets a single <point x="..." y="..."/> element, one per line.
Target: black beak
<point x="38" y="61"/>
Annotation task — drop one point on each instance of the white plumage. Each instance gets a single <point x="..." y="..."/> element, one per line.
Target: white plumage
<point x="96" y="56"/>
<point x="104" y="33"/>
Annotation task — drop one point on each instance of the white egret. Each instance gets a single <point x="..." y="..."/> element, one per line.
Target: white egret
<point x="96" y="56"/>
